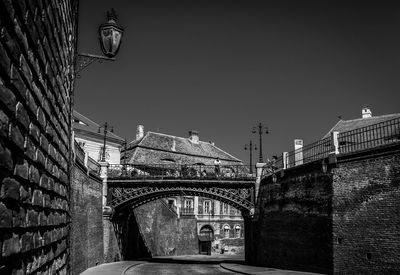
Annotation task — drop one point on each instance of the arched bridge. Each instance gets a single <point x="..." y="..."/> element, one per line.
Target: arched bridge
<point x="131" y="185"/>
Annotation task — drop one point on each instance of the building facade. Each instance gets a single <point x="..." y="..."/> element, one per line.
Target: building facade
<point x="220" y="227"/>
<point x="90" y="137"/>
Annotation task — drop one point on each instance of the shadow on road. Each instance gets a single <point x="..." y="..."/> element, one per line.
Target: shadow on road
<point x="195" y="259"/>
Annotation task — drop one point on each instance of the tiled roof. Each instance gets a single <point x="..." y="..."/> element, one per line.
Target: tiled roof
<point x="348" y="125"/>
<point x="84" y="125"/>
<point x="158" y="148"/>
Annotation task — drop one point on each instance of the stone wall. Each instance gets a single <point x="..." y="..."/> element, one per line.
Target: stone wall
<point x="87" y="224"/>
<point x="37" y="53"/>
<point x="163" y="233"/>
<point x="344" y="221"/>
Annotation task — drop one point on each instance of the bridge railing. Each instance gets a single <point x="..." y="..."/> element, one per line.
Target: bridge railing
<point x="180" y="171"/>
<point x="371" y="136"/>
<point x="363" y="138"/>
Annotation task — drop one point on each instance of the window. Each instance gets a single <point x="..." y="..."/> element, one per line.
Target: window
<point x="226" y="231"/>
<point x="207" y="207"/>
<point x="188" y="204"/>
<point x="225" y="208"/>
<point x="237" y="231"/>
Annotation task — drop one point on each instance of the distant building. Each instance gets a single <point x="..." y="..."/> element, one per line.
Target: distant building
<point x="90" y="137"/>
<point x="219" y="225"/>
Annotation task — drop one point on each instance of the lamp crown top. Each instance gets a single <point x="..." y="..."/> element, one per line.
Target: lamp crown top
<point x="112" y="15"/>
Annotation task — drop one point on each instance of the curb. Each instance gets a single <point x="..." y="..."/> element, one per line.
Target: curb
<point x="128" y="267"/>
<point x="233" y="270"/>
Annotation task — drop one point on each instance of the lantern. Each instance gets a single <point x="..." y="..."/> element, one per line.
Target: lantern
<point x="110" y="35"/>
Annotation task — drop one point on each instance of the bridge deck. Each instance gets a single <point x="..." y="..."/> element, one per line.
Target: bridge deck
<point x="132" y="182"/>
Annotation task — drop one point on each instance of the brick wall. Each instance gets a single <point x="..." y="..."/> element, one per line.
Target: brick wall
<point x="344" y="221"/>
<point x="366" y="215"/>
<point x="37" y="52"/>
<point x="293" y="229"/>
<point x="87" y="224"/>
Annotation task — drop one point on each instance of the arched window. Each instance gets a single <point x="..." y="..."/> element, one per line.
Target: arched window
<point x="207" y="230"/>
<point x="237" y="231"/>
<point x="226" y="231"/>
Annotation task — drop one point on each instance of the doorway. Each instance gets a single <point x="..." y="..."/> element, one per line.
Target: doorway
<point x="206" y="236"/>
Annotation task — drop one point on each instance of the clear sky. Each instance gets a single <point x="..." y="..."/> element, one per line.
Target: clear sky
<point x="220" y="67"/>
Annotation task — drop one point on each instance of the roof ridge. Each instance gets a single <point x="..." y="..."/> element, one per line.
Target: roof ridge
<point x="225" y="152"/>
<point x="324" y="136"/>
<point x="380" y="116"/>
<point x="221" y="151"/>
<point x="162" y="134"/>
<point x="75" y="111"/>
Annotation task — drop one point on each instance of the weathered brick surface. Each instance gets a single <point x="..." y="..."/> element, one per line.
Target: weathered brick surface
<point x="366" y="216"/>
<point x="37" y="53"/>
<point x="345" y="221"/>
<point x="294" y="226"/>
<point x="87" y="228"/>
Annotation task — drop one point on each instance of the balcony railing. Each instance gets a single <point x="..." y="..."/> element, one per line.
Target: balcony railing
<point x="180" y="171"/>
<point x="363" y="138"/>
<point x="187" y="211"/>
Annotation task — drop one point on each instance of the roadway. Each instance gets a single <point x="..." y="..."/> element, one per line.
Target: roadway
<point x="191" y="264"/>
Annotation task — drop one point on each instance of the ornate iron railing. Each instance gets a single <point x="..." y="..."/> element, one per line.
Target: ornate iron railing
<point x="179" y="171"/>
<point x="363" y="138"/>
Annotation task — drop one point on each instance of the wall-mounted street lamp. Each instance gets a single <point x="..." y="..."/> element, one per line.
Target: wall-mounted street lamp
<point x="110" y="35"/>
<point x="261" y="130"/>
<point x="250" y="147"/>
<point x="105" y="126"/>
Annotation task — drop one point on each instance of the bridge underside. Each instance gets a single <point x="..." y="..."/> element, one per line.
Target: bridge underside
<point x="123" y="198"/>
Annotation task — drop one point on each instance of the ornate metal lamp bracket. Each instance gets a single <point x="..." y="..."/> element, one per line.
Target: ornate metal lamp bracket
<point x="84" y="60"/>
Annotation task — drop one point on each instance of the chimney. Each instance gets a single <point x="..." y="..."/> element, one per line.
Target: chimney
<point x="194" y="136"/>
<point x="366" y="112"/>
<point x="139" y="132"/>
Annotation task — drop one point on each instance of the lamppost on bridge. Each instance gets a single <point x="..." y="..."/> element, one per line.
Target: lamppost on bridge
<point x="124" y="168"/>
<point x="250" y="147"/>
<point x="105" y="126"/>
<point x="261" y="130"/>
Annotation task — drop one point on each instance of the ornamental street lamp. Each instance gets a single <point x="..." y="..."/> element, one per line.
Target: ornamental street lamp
<point x="124" y="168"/>
<point x="261" y="130"/>
<point x="105" y="127"/>
<point x="250" y="147"/>
<point x="110" y="35"/>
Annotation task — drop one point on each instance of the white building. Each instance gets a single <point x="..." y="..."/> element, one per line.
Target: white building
<point x="90" y="137"/>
